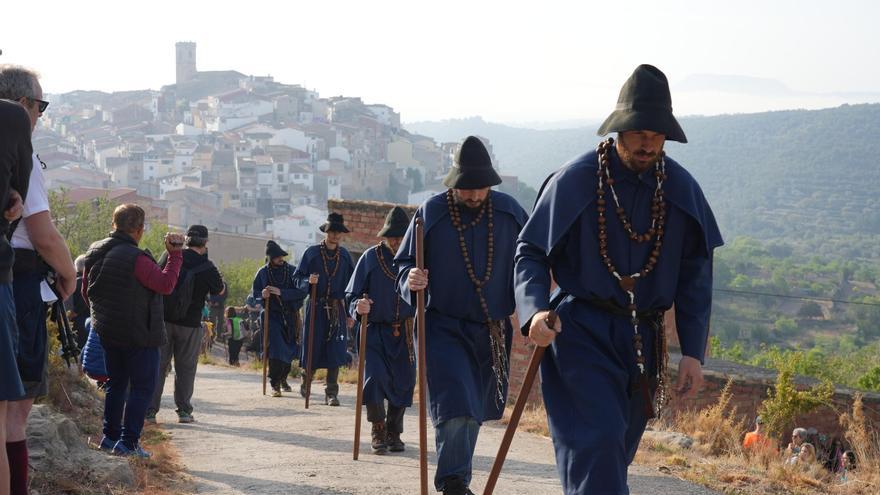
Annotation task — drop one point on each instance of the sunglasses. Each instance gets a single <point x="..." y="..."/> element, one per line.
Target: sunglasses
<point x="43" y="104"/>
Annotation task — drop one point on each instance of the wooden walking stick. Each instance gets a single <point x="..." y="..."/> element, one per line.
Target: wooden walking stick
<point x="265" y="340"/>
<point x="362" y="354"/>
<point x="313" y="303"/>
<point x="521" y="399"/>
<point x="423" y="383"/>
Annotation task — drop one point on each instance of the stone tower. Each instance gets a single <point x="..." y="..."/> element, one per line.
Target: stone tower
<point x="186" y="61"/>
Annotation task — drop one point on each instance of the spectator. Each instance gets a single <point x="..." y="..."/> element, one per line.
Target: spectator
<point x="39" y="248"/>
<point x="756" y="440"/>
<point x="799" y="451"/>
<point x="216" y="311"/>
<point x="185" y="333"/>
<point x="15" y="169"/>
<point x="77" y="309"/>
<point x="234" y="335"/>
<point x="123" y="285"/>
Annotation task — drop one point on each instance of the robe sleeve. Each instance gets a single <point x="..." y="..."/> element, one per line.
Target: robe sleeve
<point x="259" y="284"/>
<point x="293" y="293"/>
<point x="356" y="285"/>
<point x="406" y="260"/>
<point x="693" y="296"/>
<point x="532" y="282"/>
<point x="301" y="276"/>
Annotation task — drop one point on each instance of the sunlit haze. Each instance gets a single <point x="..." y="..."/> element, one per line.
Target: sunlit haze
<point x="507" y="61"/>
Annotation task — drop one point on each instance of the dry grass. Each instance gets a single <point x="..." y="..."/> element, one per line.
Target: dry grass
<point x="715" y="428"/>
<point x="533" y="419"/>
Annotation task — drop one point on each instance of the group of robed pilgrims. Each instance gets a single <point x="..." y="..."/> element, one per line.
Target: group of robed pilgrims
<point x="616" y="237"/>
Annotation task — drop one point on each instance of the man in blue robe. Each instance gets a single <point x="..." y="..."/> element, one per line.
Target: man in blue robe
<point x="470" y="237"/>
<point x="605" y="367"/>
<point x="329" y="266"/>
<point x="275" y="283"/>
<point x="389" y="364"/>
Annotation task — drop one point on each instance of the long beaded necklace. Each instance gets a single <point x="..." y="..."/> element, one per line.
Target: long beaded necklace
<point x="496" y="330"/>
<point x="380" y="254"/>
<point x="628" y="282"/>
<point x="331" y="310"/>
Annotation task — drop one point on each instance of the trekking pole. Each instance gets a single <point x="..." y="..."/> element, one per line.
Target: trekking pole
<point x="362" y="355"/>
<point x="313" y="294"/>
<point x="521" y="399"/>
<point x="423" y="383"/>
<point x="265" y="341"/>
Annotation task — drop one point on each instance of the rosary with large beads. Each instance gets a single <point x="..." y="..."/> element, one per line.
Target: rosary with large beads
<point x="380" y="254"/>
<point x="628" y="282"/>
<point x="496" y="331"/>
<point x="331" y="310"/>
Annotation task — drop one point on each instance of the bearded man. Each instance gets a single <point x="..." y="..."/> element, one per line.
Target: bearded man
<point x="470" y="236"/>
<point x="625" y="232"/>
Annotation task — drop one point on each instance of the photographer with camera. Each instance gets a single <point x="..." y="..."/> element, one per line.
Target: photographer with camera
<point x="39" y="248"/>
<point x="124" y="286"/>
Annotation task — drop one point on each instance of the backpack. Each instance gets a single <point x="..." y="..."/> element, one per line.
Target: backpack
<point x="180" y="299"/>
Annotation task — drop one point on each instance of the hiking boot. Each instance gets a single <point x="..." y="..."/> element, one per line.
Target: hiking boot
<point x="276" y="392"/>
<point x="285" y="387"/>
<point x="395" y="444"/>
<point x="378" y="445"/>
<point x="122" y="450"/>
<point x="107" y="445"/>
<point x="185" y="417"/>
<point x="455" y="486"/>
<point x="331" y="400"/>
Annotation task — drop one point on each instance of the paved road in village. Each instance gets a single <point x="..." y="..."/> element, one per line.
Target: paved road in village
<point x="245" y="443"/>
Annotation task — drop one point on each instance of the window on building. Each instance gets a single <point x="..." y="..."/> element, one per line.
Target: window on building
<point x="280" y="167"/>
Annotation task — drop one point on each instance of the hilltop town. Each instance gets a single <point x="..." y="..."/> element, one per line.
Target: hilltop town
<point x="238" y="153"/>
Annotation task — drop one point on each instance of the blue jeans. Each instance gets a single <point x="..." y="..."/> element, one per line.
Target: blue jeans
<point x="456" y="440"/>
<point x="134" y="370"/>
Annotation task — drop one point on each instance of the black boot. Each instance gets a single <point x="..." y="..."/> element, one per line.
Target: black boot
<point x="455" y="486"/>
<point x="285" y="386"/>
<point x="378" y="445"/>
<point x="394" y="424"/>
<point x="395" y="444"/>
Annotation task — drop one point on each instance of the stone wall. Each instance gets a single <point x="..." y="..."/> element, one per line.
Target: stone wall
<point x="364" y="219"/>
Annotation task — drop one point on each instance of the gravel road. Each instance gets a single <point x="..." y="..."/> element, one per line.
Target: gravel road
<point x="245" y="443"/>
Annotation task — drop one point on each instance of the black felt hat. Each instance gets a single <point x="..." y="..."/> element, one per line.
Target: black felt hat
<point x="472" y="168"/>
<point x="644" y="104"/>
<point x="396" y="223"/>
<point x="334" y="223"/>
<point x="273" y="250"/>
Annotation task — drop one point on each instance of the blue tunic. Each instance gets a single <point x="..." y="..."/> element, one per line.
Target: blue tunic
<point x="588" y="374"/>
<point x="330" y="347"/>
<point x="389" y="373"/>
<point x="284" y="321"/>
<point x="461" y="381"/>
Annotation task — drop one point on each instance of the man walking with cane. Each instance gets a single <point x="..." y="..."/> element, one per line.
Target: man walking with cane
<point x="605" y="367"/>
<point x="470" y="234"/>
<point x="275" y="288"/>
<point x="389" y="361"/>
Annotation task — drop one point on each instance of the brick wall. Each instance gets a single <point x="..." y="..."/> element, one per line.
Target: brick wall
<point x="364" y="219"/>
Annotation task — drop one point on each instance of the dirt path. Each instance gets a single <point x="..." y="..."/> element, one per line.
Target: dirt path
<point x="245" y="443"/>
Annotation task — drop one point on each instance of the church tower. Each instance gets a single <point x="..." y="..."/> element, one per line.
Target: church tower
<point x="186" y="61"/>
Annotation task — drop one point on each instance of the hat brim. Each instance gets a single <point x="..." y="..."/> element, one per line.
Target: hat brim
<point x="662" y="122"/>
<point x="472" y="179"/>
<point x="393" y="231"/>
<point x="333" y="227"/>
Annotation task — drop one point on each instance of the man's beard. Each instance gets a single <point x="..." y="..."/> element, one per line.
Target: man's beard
<point x="276" y="264"/>
<point x="629" y="159"/>
<point x="471" y="205"/>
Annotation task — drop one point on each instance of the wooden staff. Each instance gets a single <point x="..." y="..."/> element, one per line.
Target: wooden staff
<point x="423" y="384"/>
<point x="521" y="399"/>
<point x="362" y="354"/>
<point x="313" y="294"/>
<point x="265" y="340"/>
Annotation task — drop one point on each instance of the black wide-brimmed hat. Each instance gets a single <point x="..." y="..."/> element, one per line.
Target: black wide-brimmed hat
<point x="334" y="223"/>
<point x="644" y="104"/>
<point x="472" y="168"/>
<point x="396" y="223"/>
<point x="273" y="250"/>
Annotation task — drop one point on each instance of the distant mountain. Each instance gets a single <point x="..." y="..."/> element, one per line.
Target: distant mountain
<point x="805" y="175"/>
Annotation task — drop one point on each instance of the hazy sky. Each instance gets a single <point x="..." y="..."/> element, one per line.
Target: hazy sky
<point x="507" y="61"/>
